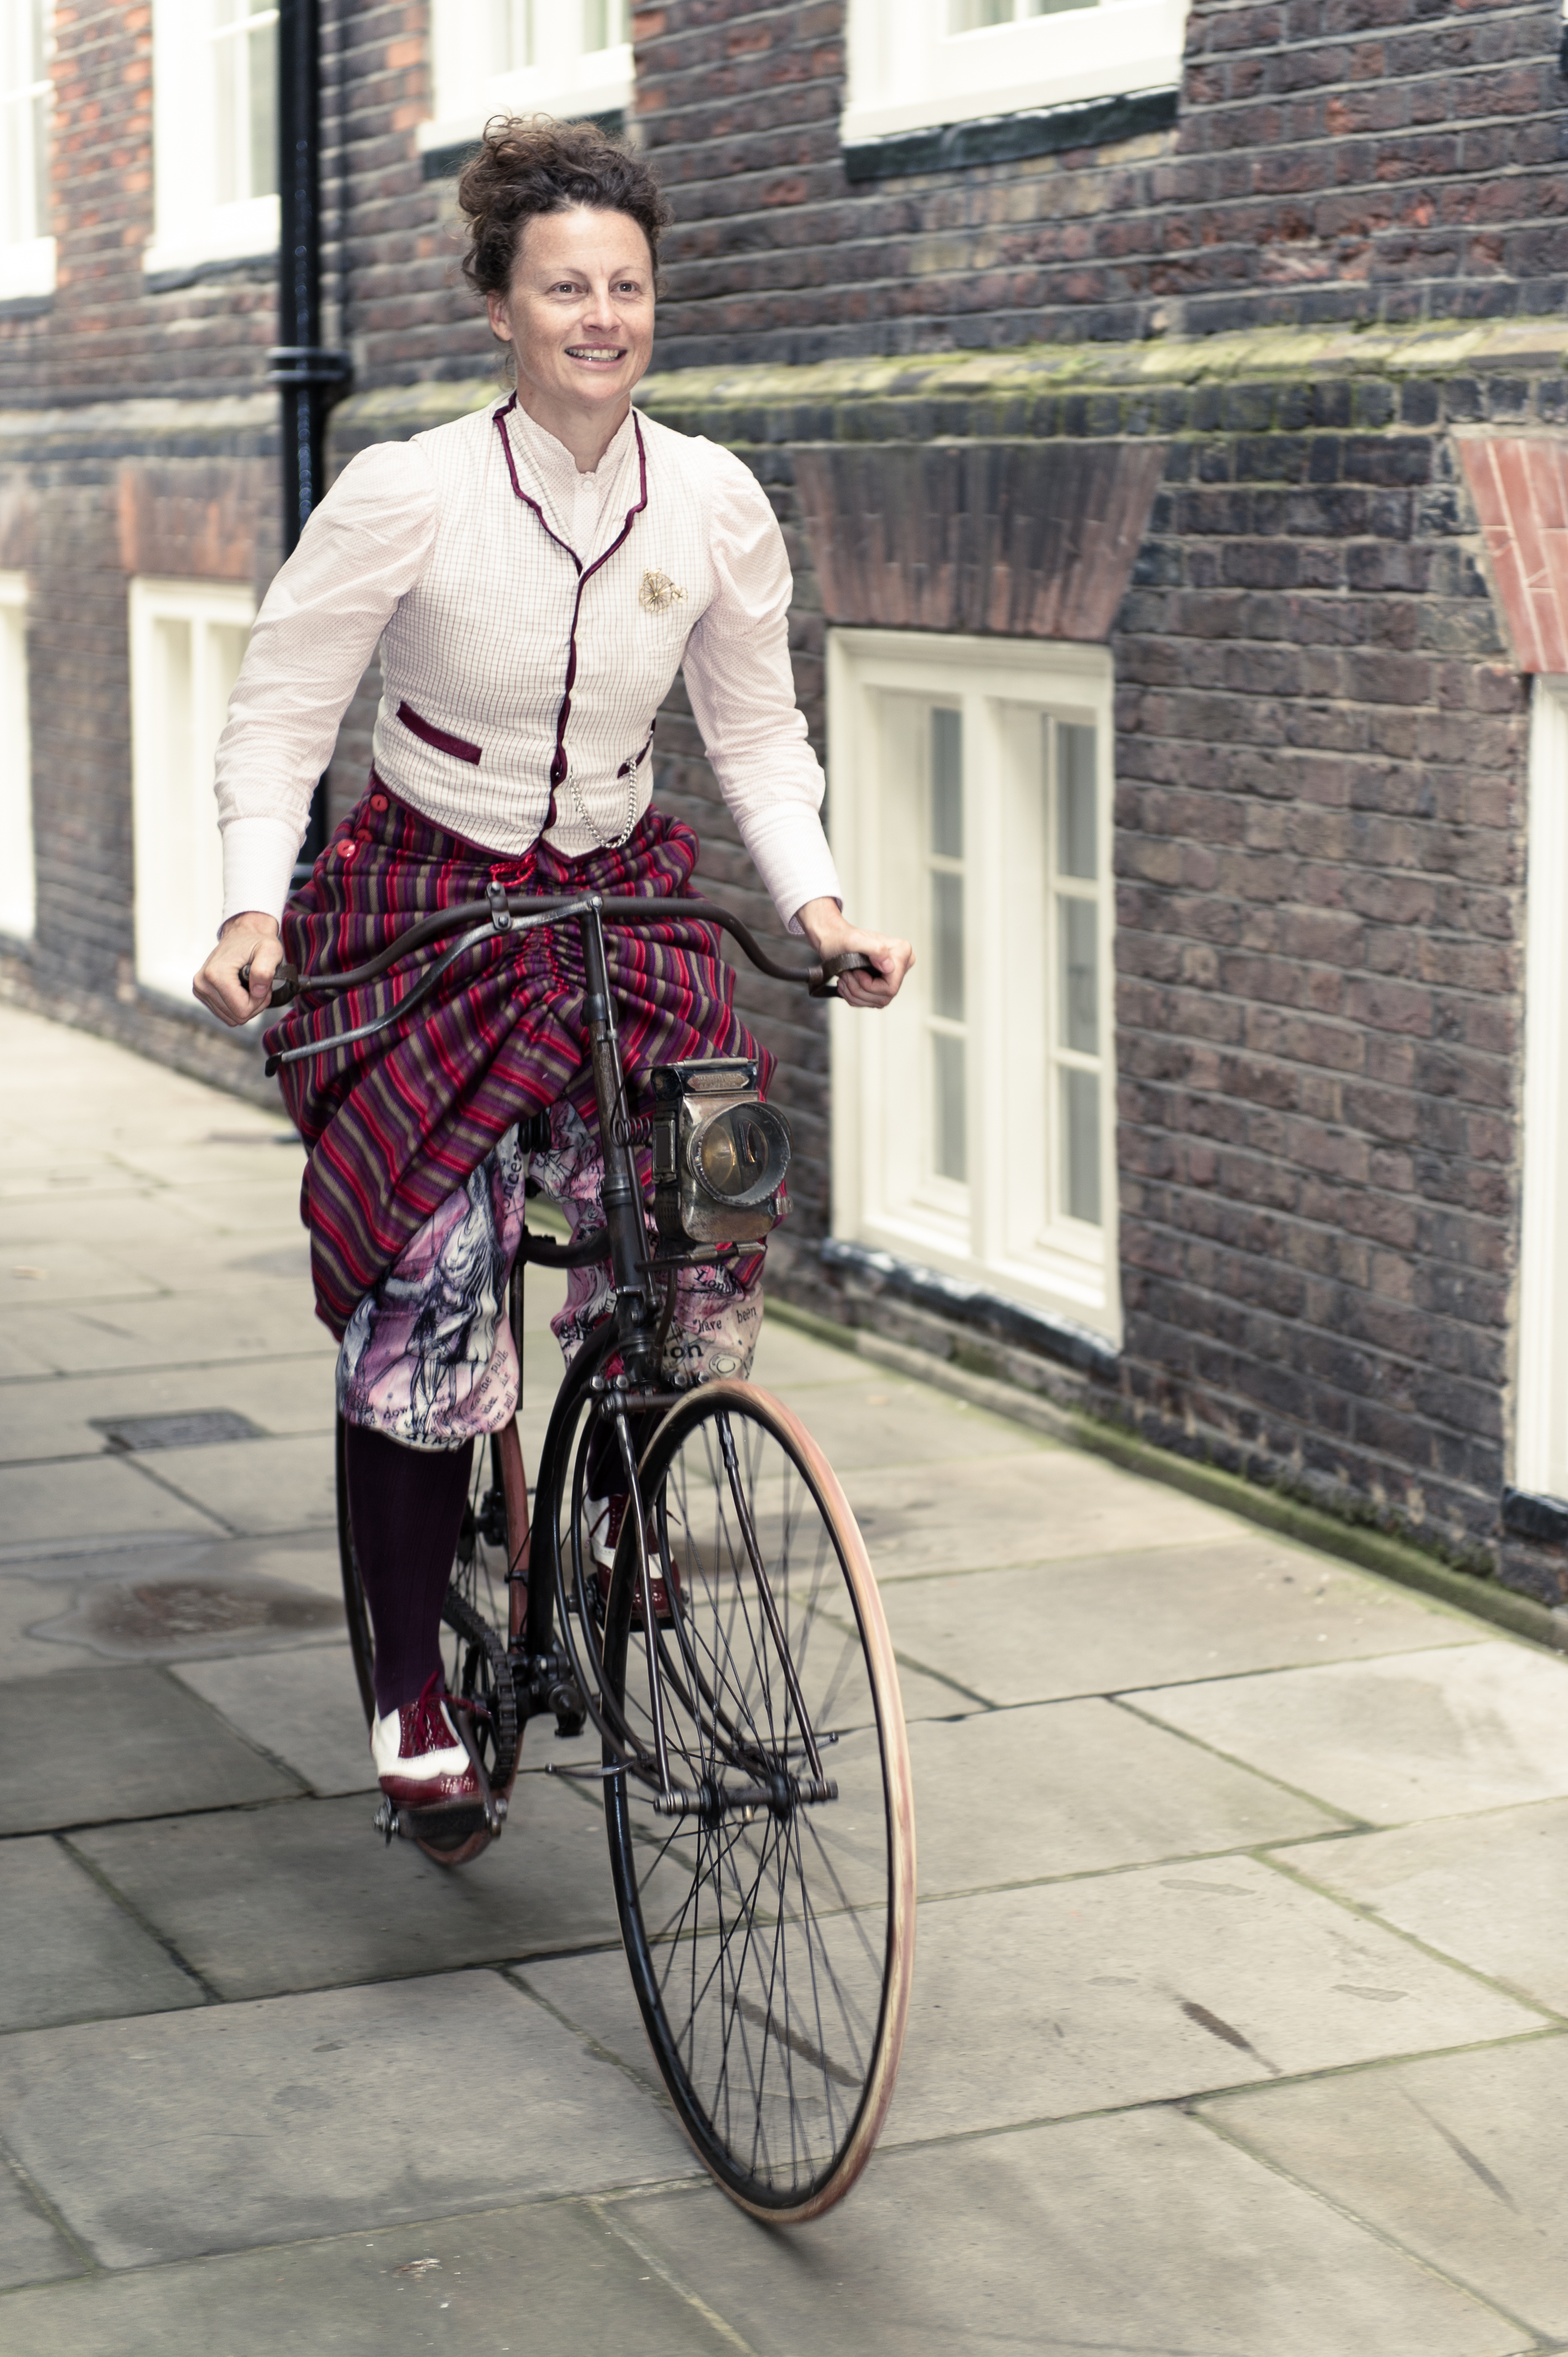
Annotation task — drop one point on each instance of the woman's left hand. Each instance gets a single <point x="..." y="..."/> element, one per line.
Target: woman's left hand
<point x="830" y="933"/>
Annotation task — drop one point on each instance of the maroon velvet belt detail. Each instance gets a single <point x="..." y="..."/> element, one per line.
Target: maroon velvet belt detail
<point x="442" y="739"/>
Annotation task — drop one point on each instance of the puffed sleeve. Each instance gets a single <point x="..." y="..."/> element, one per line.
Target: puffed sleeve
<point x="364" y="549"/>
<point x="742" y="693"/>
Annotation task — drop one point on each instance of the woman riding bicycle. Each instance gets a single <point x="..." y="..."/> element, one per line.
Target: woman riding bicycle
<point x="536" y="574"/>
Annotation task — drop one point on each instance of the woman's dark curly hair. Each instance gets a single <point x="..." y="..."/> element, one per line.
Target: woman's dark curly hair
<point x="525" y="168"/>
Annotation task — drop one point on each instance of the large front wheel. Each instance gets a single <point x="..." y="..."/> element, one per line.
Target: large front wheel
<point x="770" y="1925"/>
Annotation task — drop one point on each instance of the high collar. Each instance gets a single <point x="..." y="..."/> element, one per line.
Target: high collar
<point x="580" y="504"/>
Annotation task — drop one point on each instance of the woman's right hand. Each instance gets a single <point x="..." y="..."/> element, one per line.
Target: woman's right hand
<point x="251" y="939"/>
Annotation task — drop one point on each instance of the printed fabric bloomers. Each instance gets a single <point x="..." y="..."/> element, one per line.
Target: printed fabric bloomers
<point x="428" y="1357"/>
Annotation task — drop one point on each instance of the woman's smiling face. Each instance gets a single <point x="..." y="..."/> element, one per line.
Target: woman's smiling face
<point x="579" y="313"/>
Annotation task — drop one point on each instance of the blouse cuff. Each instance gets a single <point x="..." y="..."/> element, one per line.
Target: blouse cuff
<point x="257" y="864"/>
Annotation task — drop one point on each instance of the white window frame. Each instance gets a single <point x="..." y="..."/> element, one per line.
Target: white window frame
<point x="190" y="226"/>
<point x="1004" y="1229"/>
<point x="179" y="862"/>
<point x="1540" y="1417"/>
<point x="18" y="886"/>
<point x="564" y="81"/>
<point x="28" y="260"/>
<point x="910" y="71"/>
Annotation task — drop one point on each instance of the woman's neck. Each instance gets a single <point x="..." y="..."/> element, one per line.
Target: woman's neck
<point x="587" y="433"/>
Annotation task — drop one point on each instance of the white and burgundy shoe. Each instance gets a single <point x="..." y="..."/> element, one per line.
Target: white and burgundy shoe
<point x="419" y="1756"/>
<point x="605" y="1518"/>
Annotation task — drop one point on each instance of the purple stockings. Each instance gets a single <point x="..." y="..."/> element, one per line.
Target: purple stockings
<point x="407" y="1509"/>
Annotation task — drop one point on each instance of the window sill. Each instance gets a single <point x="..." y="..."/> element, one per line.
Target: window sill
<point x="28" y="271"/>
<point x="1117" y="50"/>
<point x="233" y="237"/>
<point x="1054" y="1336"/>
<point x="1008" y="138"/>
<point x="595" y="89"/>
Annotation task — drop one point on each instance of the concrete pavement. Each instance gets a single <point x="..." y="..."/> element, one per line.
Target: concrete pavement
<point x="1242" y="1976"/>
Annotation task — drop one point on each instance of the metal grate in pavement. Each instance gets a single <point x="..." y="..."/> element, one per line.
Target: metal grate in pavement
<point x="199" y="1429"/>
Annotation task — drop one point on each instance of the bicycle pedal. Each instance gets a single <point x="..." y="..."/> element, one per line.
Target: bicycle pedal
<point x="386" y="1822"/>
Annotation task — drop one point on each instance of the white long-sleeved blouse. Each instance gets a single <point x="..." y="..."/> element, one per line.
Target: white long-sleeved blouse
<point x="531" y="619"/>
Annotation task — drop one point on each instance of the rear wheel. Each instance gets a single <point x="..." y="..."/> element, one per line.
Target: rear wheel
<point x="483" y="1609"/>
<point x="770" y="1927"/>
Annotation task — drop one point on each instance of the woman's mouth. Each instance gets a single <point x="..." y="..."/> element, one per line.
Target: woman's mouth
<point x="597" y="355"/>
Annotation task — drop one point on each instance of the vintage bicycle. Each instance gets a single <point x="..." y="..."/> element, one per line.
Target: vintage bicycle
<point x="736" y="1667"/>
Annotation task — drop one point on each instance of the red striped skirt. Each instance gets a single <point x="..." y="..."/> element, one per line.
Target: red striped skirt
<point x="393" y="1124"/>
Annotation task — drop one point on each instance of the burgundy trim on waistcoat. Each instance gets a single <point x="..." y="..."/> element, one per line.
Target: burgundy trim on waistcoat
<point x="558" y="764"/>
<point x="444" y="742"/>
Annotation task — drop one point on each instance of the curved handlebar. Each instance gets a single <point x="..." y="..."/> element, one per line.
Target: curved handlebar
<point x="497" y="917"/>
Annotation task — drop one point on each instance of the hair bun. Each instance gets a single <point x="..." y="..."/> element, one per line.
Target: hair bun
<point x="526" y="167"/>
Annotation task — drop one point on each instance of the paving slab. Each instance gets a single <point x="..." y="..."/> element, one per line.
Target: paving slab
<point x="67" y="1953"/>
<point x="66" y="1271"/>
<point x="304" y="2115"/>
<point x="789" y="1358"/>
<point x="1071" y="1787"/>
<point x="1153" y="1617"/>
<point x="32" y="2249"/>
<point x="1124" y="1988"/>
<point x="1490" y="1889"/>
<point x="1138" y="2236"/>
<point x="56" y="1418"/>
<point x="1050" y="1507"/>
<point x="256" y="1486"/>
<point x="515" y="2280"/>
<point x="308" y="1895"/>
<point x="91" y="1746"/>
<point x="24" y="1603"/>
<point x="891" y="1422"/>
<point x="1433" y="1735"/>
<point x="1459" y="2160"/>
<point x="267" y="1320"/>
<point x="104" y="1497"/>
<point x="175" y="1616"/>
<point x="302" y="1706"/>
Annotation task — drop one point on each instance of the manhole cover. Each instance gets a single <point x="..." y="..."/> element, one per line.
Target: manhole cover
<point x="143" y="1619"/>
<point x="199" y="1429"/>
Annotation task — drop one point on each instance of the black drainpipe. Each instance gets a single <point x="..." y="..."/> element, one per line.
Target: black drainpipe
<point x="309" y="379"/>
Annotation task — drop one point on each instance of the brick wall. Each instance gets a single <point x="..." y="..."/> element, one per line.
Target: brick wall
<point x="1333" y="159"/>
<point x="1320" y="762"/>
<point x="1320" y="851"/>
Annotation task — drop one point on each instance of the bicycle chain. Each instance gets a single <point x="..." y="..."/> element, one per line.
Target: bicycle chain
<point x="461" y="1615"/>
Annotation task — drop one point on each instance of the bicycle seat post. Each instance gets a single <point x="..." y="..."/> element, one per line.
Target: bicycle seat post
<point x="623" y="1191"/>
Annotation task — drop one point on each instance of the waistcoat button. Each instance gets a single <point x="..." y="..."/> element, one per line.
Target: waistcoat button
<point x="378" y="801"/>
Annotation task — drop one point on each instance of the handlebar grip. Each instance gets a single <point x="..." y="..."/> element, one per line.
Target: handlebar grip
<point x="285" y="983"/>
<point x="847" y="962"/>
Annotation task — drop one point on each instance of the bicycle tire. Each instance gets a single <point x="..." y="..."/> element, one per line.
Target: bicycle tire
<point x="482" y="1610"/>
<point x="771" y="1954"/>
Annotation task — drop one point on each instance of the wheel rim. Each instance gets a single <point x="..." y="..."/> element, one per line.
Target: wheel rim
<point x="766" y="1951"/>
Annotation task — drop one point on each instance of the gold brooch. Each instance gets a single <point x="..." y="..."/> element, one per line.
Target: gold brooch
<point x="659" y="593"/>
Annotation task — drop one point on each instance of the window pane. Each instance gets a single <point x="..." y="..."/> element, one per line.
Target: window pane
<point x="946" y="784"/>
<point x="1077" y="851"/>
<point x="968" y="15"/>
<point x="1081" y="1144"/>
<point x="515" y="43"/>
<point x="947" y="1110"/>
<point x="947" y="946"/>
<point x="230" y="144"/>
<point x="263" y="107"/>
<point x="1078" y="930"/>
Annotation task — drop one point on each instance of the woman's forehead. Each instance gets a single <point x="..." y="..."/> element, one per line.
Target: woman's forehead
<point x="583" y="237"/>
